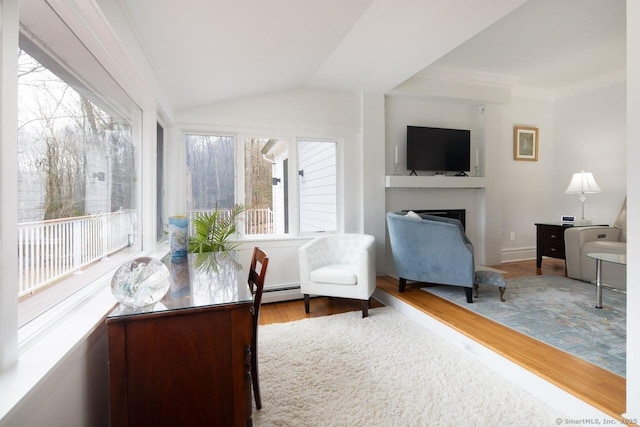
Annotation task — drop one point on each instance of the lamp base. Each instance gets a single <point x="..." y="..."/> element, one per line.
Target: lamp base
<point x="583" y="222"/>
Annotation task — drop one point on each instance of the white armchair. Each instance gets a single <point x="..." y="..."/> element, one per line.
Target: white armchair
<point x="338" y="265"/>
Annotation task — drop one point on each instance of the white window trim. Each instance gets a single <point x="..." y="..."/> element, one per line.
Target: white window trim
<point x="8" y="180"/>
<point x="240" y="132"/>
<point x="294" y="188"/>
<point x="77" y="320"/>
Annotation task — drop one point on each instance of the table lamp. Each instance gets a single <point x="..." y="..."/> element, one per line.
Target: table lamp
<point x="582" y="183"/>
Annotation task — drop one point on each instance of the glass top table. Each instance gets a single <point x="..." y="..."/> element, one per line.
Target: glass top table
<point x="198" y="280"/>
<point x="599" y="257"/>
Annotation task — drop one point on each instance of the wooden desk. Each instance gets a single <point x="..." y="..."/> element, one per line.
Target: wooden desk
<point x="186" y="359"/>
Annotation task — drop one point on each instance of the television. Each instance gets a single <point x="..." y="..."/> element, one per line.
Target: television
<point x="438" y="149"/>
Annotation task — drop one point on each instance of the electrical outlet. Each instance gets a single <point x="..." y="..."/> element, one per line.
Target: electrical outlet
<point x="512" y="235"/>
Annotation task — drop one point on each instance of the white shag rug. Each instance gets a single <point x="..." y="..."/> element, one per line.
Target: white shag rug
<point x="384" y="370"/>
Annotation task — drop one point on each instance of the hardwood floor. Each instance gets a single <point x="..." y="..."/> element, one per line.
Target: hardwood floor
<point x="592" y="384"/>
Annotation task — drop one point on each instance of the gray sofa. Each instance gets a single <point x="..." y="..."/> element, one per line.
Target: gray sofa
<point x="431" y="249"/>
<point x="579" y="241"/>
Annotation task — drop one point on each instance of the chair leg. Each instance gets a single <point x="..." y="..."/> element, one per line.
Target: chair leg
<point x="502" y="293"/>
<point x="306" y="303"/>
<point x="254" y="376"/>
<point x="401" y="284"/>
<point x="365" y="308"/>
<point x="469" y="294"/>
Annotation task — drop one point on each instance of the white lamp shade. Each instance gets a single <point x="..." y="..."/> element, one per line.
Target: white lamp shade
<point x="581" y="183"/>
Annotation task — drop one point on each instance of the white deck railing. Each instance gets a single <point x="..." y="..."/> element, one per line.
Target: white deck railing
<point x="256" y="221"/>
<point x="50" y="250"/>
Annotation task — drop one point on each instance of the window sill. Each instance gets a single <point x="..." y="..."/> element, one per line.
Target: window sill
<point x="43" y="354"/>
<point x="72" y="325"/>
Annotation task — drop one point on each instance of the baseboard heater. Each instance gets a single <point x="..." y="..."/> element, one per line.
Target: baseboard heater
<point x="281" y="293"/>
<point x="282" y="288"/>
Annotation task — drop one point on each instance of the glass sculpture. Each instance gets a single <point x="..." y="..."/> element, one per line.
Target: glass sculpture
<point x="140" y="282"/>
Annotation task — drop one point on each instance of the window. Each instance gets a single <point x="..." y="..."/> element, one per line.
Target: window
<point x="76" y="184"/>
<point x="266" y="186"/>
<point x="270" y="197"/>
<point x="77" y="178"/>
<point x="210" y="172"/>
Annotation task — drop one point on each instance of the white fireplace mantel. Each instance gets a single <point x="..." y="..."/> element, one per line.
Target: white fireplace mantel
<point x="435" y="181"/>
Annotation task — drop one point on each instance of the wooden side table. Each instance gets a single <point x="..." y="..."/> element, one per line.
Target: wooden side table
<point x="550" y="240"/>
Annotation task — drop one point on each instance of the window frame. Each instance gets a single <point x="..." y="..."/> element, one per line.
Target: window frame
<point x="294" y="139"/>
<point x="18" y="342"/>
<point x="53" y="295"/>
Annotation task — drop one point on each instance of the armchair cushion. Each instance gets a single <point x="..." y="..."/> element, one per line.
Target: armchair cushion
<point x="335" y="274"/>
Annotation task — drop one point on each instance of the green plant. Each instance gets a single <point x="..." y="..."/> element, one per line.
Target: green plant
<point x="211" y="231"/>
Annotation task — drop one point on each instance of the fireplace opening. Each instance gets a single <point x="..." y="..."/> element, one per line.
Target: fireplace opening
<point x="458" y="214"/>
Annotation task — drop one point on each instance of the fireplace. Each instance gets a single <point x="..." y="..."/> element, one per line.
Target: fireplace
<point x="458" y="214"/>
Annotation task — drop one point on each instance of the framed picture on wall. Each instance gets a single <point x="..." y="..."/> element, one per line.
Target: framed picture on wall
<point x="525" y="143"/>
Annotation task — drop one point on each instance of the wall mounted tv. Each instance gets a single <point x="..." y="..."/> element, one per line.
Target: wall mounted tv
<point x="439" y="150"/>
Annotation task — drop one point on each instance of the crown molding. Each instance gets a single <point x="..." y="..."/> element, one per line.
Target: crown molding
<point x="614" y="77"/>
<point x="469" y="77"/>
<point x="522" y="91"/>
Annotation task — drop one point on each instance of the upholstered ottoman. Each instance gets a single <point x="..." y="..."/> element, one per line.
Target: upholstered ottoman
<point x="486" y="277"/>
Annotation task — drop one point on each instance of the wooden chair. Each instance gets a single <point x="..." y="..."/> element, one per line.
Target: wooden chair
<point x="257" y="273"/>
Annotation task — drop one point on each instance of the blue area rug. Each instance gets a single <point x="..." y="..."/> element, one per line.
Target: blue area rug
<point x="558" y="311"/>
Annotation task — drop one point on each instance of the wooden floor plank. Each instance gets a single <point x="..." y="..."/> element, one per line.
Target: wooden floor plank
<point x="590" y="383"/>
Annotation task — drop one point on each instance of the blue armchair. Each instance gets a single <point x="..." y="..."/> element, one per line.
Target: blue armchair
<point x="431" y="249"/>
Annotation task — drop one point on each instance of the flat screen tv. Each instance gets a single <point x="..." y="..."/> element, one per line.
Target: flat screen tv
<point x="438" y="149"/>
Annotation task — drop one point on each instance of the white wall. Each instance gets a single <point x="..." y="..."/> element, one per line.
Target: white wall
<point x="525" y="186"/>
<point x="582" y="132"/>
<point x="75" y="393"/>
<point x="373" y="166"/>
<point x="633" y="245"/>
<point x="591" y="135"/>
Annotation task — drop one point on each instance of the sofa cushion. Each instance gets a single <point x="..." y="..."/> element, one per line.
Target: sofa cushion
<point x="412" y="214"/>
<point x="336" y="274"/>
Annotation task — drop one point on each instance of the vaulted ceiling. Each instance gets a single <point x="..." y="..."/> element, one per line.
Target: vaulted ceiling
<point x="206" y="51"/>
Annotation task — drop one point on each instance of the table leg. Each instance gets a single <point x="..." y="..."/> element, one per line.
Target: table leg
<point x="598" y="283"/>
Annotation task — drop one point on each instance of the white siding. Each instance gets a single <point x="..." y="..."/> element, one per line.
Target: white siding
<point x="318" y="195"/>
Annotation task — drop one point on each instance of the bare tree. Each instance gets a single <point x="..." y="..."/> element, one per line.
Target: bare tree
<point x="59" y="130"/>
